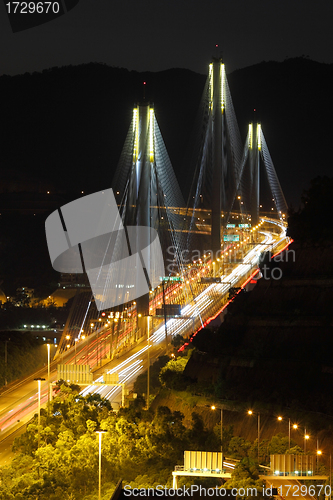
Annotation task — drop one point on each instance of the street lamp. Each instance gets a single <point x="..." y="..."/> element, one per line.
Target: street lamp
<point x="306" y="437"/>
<point x="250" y="412"/>
<point x="294" y="427"/>
<point x="48" y="376"/>
<point x="213" y="407"/>
<point x="6" y="342"/>
<point x="319" y="452"/>
<point x="100" y="462"/>
<point x="75" y="340"/>
<point x="289" y="428"/>
<point x="68" y="345"/>
<point x="39" y="380"/>
<point x="148" y="367"/>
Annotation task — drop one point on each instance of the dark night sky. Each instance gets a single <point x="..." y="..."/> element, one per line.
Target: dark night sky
<point x="156" y="35"/>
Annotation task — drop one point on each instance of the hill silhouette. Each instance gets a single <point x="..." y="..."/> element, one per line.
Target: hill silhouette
<point x="66" y="127"/>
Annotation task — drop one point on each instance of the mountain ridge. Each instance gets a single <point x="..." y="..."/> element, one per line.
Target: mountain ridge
<point x="75" y="118"/>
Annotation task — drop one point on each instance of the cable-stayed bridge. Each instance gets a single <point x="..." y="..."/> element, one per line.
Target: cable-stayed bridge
<point x="235" y="211"/>
<point x="221" y="217"/>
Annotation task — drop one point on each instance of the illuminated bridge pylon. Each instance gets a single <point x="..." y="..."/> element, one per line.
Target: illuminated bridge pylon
<point x="226" y="180"/>
<point x="255" y="150"/>
<point x="146" y="188"/>
<point x="227" y="172"/>
<point x="218" y="153"/>
<point x="147" y="195"/>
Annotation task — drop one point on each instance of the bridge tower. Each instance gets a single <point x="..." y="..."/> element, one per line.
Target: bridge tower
<point x="256" y="153"/>
<point x="254" y="145"/>
<point x="217" y="123"/>
<point x="146" y="188"/>
<point x="138" y="207"/>
<point x="217" y="156"/>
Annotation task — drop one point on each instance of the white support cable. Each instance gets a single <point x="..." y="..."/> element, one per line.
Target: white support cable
<point x="277" y="193"/>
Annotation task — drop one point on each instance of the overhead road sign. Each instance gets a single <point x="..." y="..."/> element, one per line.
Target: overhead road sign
<point x="231" y="237"/>
<point x="111" y="378"/>
<point x="209" y="280"/>
<point x="75" y="373"/>
<point x="170" y="310"/>
<point x="170" y="278"/>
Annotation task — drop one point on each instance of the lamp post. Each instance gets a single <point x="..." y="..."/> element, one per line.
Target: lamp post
<point x="148" y="363"/>
<point x="100" y="462"/>
<point x="319" y="452"/>
<point x="75" y="340"/>
<point x="289" y="429"/>
<point x="294" y="427"/>
<point x="280" y="418"/>
<point x="39" y="380"/>
<point x="48" y="377"/>
<point x="306" y="437"/>
<point x="67" y="346"/>
<point x="165" y="320"/>
<point x="6" y="342"/>
<point x="250" y="412"/>
<point x="213" y="407"/>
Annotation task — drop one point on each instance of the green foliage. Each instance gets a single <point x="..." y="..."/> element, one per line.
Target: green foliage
<point x="139" y="446"/>
<point x="62" y="387"/>
<point x="177" y="341"/>
<point x="239" y="447"/>
<point x="171" y="375"/>
<point x="295" y="450"/>
<point x="227" y="434"/>
<point x="246" y="476"/>
<point x="278" y="444"/>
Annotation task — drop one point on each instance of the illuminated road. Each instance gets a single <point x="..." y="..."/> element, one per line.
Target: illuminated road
<point x="19" y="404"/>
<point x="129" y="368"/>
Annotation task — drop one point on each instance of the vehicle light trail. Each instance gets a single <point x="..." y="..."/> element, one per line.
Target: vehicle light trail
<point x="201" y="306"/>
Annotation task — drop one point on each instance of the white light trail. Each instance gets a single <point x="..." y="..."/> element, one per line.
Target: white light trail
<point x="130" y="368"/>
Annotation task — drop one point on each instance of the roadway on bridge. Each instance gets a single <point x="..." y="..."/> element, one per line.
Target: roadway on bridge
<point x="18" y="404"/>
